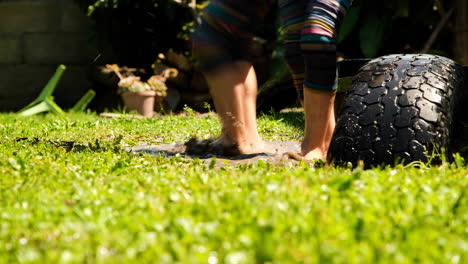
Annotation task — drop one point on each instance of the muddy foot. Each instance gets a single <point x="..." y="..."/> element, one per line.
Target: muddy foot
<point x="214" y="146"/>
<point x="274" y="151"/>
<point x="317" y="163"/>
<point x="210" y="146"/>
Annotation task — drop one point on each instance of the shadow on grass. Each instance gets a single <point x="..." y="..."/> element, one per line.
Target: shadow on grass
<point x="72" y="146"/>
<point x="167" y="150"/>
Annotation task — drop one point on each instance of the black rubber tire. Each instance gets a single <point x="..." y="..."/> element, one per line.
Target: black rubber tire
<point x="399" y="108"/>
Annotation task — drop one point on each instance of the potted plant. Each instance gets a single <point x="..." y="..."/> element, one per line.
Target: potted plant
<point x="141" y="96"/>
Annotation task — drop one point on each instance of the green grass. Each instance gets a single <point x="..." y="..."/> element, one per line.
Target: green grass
<point x="70" y="193"/>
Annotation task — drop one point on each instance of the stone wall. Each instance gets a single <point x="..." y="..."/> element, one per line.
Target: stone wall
<point x="35" y="37"/>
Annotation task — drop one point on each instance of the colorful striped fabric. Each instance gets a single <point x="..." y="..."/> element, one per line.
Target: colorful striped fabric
<point x="228" y="27"/>
<point x="310" y="41"/>
<point x="227" y="31"/>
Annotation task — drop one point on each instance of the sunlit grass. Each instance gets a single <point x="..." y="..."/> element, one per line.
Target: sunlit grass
<point x="96" y="203"/>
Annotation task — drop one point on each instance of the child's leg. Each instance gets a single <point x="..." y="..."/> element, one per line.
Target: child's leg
<point x="292" y="15"/>
<point x="234" y="90"/>
<point x="310" y="50"/>
<point x="221" y="47"/>
<point x="318" y="45"/>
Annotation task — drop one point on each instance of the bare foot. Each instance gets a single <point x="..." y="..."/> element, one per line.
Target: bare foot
<point x="311" y="153"/>
<point x="309" y="157"/>
<point x="319" y="124"/>
<point x="315" y="162"/>
<point x="244" y="145"/>
<point x="234" y="90"/>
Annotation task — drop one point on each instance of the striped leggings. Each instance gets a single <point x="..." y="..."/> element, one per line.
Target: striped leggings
<point x="310" y="28"/>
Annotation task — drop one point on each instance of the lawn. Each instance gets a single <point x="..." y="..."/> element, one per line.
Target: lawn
<point x="71" y="193"/>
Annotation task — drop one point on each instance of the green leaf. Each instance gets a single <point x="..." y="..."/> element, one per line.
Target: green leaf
<point x="349" y="22"/>
<point x="372" y="33"/>
<point x="403" y="8"/>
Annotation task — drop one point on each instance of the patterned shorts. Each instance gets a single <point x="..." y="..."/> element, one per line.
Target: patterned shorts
<point x="231" y="30"/>
<point x="310" y="28"/>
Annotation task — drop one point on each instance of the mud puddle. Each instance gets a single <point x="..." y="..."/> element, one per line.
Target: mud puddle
<point x="275" y="153"/>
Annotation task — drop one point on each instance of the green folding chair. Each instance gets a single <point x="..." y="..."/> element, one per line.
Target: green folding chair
<point x="45" y="101"/>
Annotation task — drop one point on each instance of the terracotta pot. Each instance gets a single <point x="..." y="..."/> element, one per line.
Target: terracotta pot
<point x="142" y="102"/>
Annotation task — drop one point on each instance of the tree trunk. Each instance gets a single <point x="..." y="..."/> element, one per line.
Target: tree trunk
<point x="461" y="31"/>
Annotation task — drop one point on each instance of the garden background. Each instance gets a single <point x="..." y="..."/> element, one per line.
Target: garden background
<point x="37" y="35"/>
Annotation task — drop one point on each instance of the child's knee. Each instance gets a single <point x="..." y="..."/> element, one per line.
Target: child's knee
<point x="320" y="64"/>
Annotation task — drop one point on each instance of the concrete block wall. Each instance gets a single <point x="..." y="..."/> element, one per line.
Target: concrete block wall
<point x="35" y="37"/>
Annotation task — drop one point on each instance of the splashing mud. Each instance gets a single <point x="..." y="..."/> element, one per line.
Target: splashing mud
<point x="274" y="151"/>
